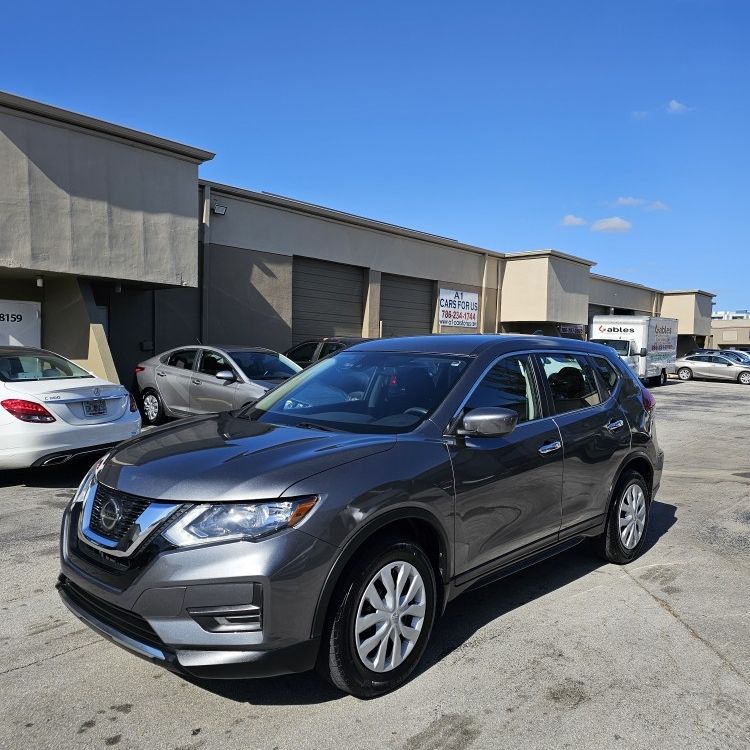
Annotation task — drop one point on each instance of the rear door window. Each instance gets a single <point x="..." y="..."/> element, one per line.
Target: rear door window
<point x="183" y="359"/>
<point x="571" y="380"/>
<point x="508" y="385"/>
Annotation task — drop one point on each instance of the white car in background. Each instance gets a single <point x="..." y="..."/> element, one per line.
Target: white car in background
<point x="52" y="410"/>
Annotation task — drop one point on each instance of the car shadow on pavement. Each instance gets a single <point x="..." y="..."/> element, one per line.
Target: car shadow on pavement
<point x="475" y="609"/>
<point x="462" y="619"/>
<point x="68" y="475"/>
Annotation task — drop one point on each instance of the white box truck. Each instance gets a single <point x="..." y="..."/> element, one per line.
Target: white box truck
<point x="647" y="345"/>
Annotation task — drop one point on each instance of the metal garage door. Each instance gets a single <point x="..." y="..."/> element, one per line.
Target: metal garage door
<point x="327" y="299"/>
<point x="407" y="305"/>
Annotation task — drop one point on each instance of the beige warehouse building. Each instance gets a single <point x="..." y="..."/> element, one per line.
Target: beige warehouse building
<point x="126" y="252"/>
<point x="730" y="334"/>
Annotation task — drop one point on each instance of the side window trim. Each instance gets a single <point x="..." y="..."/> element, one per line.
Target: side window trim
<point x="198" y="362"/>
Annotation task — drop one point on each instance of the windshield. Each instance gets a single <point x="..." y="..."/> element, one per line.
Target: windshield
<point x="367" y="392"/>
<point x="265" y="365"/>
<point x="38" y="366"/>
<point x="621" y="346"/>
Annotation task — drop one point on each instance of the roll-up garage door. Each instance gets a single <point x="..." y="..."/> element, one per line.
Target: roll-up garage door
<point x="407" y="305"/>
<point x="327" y="299"/>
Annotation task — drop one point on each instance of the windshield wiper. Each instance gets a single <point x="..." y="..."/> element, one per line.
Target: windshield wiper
<point x="314" y="426"/>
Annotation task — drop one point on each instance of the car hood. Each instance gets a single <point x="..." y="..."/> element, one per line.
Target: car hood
<point x="223" y="458"/>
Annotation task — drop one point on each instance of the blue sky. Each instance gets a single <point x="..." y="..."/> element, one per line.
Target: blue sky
<point x="488" y="122"/>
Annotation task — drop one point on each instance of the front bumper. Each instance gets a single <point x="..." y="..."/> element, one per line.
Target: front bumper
<point x="202" y="664"/>
<point x="154" y="605"/>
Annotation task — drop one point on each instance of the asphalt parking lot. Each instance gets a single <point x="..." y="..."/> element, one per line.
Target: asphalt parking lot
<point x="570" y="654"/>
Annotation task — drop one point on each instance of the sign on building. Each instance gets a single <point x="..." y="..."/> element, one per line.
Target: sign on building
<point x="572" y="329"/>
<point x="459" y="309"/>
<point x="20" y="323"/>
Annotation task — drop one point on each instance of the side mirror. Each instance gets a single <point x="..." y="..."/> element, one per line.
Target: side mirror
<point x="226" y="375"/>
<point x="488" y="421"/>
<point x="643" y="352"/>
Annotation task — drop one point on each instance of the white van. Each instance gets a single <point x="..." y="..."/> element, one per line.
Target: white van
<point x="646" y="344"/>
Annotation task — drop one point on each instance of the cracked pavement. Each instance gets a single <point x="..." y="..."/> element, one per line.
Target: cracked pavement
<point x="572" y="653"/>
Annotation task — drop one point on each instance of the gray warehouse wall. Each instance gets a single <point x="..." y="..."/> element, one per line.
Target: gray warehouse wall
<point x="248" y="298"/>
<point x="81" y="203"/>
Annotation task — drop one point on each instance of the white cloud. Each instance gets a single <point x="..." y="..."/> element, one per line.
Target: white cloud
<point x="571" y="220"/>
<point x="611" y="224"/>
<point x="677" y="108"/>
<point x="629" y="201"/>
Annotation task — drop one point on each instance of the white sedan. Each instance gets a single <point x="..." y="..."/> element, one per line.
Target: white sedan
<point x="52" y="410"/>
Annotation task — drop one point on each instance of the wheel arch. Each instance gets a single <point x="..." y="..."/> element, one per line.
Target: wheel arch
<point x="639" y="462"/>
<point x="416" y="523"/>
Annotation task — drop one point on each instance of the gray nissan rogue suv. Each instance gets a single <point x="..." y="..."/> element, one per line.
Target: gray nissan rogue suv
<point x="330" y="523"/>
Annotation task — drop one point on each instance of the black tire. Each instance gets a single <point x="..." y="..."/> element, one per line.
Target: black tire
<point x="685" y="373"/>
<point x="150" y="396"/>
<point x="610" y="545"/>
<point x="663" y="378"/>
<point x="744" y="378"/>
<point x="339" y="660"/>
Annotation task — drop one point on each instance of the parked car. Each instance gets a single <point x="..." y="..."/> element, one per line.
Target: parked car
<point x="331" y="522"/>
<point x="193" y="380"/>
<point x="736" y="355"/>
<point x="53" y="410"/>
<point x="713" y="367"/>
<point x="311" y="351"/>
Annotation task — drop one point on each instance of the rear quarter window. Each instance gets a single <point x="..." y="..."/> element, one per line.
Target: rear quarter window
<point x="607" y="374"/>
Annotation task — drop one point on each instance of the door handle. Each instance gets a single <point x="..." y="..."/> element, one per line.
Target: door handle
<point x="615" y="425"/>
<point x="161" y="374"/>
<point x="195" y="382"/>
<point x="548" y="448"/>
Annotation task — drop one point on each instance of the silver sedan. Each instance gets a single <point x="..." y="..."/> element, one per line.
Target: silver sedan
<point x="706" y="366"/>
<point x="193" y="380"/>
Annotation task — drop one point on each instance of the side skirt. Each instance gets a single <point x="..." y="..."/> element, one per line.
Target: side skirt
<point x="474" y="579"/>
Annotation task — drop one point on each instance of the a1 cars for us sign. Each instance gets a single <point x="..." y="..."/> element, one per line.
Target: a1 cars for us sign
<point x="459" y="309"/>
<point x="20" y="323"/>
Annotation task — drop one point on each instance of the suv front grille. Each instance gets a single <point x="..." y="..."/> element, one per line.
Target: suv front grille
<point x="114" y="513"/>
<point x="123" y="620"/>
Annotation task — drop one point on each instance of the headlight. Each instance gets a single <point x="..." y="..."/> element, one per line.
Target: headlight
<point x="88" y="481"/>
<point x="233" y="521"/>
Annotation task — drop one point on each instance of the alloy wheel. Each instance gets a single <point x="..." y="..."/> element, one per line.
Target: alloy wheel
<point x="390" y="616"/>
<point x="745" y="378"/>
<point x="151" y="407"/>
<point x="684" y="374"/>
<point x="632" y="516"/>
